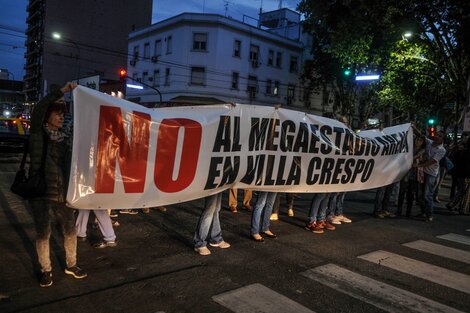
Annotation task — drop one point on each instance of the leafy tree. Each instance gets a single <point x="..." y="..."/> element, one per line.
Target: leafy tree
<point x="419" y="74"/>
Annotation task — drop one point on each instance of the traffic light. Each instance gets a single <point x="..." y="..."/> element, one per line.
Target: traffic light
<point x="122" y="74"/>
<point x="431" y="131"/>
<point x="347" y="72"/>
<point x="431" y="121"/>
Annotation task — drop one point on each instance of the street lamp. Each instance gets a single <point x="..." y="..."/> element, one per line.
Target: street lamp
<point x="58" y="36"/>
<point x="407" y="34"/>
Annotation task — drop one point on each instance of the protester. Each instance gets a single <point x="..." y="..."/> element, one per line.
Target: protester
<point x="336" y="206"/>
<point x="382" y="201"/>
<point x="46" y="122"/>
<point x="233" y="200"/>
<point x="260" y="217"/>
<point x="414" y="186"/>
<point x="461" y="202"/>
<point x="209" y="222"/>
<point x="434" y="152"/>
<point x="317" y="201"/>
<point x="277" y="204"/>
<point x="104" y="223"/>
<point x="325" y="208"/>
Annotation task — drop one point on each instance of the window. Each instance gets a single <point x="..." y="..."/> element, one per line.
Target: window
<point x="158" y="47"/>
<point x="270" y="57"/>
<point x="290" y="93"/>
<point x="136" y="52"/>
<point x="279" y="59"/>
<point x="169" y="44"/>
<point x="254" y="51"/>
<point x="236" y="48"/>
<point x="252" y="87"/>
<point x="200" y="42"/>
<point x="167" y="76"/>
<point x="235" y="80"/>
<point x="146" y="50"/>
<point x="268" y="86"/>
<point x="276" y="88"/>
<point x="198" y="75"/>
<point x="293" y="64"/>
<point x="145" y="77"/>
<point x="156" y="78"/>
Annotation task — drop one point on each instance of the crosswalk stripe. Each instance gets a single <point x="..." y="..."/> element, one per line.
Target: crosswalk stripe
<point x="257" y="298"/>
<point x="436" y="249"/>
<point x="378" y="294"/>
<point x="456" y="238"/>
<point x="420" y="269"/>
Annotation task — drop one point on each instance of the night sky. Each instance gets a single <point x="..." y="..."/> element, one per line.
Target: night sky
<point x="13" y="21"/>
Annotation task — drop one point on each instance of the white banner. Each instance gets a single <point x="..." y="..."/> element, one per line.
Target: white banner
<point x="128" y="156"/>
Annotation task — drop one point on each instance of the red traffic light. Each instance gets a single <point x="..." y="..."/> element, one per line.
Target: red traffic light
<point x="123" y="73"/>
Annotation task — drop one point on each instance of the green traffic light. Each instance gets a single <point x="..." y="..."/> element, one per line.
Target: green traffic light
<point x="347" y="72"/>
<point x="431" y="121"/>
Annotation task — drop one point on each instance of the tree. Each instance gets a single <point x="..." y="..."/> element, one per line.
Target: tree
<point x="429" y="69"/>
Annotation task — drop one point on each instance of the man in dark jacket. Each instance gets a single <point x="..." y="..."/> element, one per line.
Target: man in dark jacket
<point x="45" y="132"/>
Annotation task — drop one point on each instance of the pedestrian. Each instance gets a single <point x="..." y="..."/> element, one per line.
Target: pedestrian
<point x="260" y="217"/>
<point x="104" y="223"/>
<point x="337" y="205"/>
<point x="208" y="229"/>
<point x="277" y="204"/>
<point x="46" y="122"/>
<point x="382" y="201"/>
<point x="434" y="152"/>
<point x="460" y="202"/>
<point x="317" y="202"/>
<point x="233" y="199"/>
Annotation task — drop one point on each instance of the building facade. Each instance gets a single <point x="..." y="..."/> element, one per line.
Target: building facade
<point x="93" y="40"/>
<point x="195" y="58"/>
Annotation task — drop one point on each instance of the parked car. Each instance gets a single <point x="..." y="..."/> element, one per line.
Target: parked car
<point x="13" y="133"/>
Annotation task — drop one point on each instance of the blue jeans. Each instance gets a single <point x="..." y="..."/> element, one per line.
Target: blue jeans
<point x="339" y="203"/>
<point x="264" y="206"/>
<point x="429" y="183"/>
<point x="317" y="200"/>
<point x="382" y="198"/>
<point x="325" y="204"/>
<point x="209" y="222"/>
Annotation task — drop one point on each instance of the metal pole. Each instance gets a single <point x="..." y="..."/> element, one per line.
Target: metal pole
<point x="148" y="86"/>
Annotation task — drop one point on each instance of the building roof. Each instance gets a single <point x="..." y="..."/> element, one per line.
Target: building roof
<point x="204" y="18"/>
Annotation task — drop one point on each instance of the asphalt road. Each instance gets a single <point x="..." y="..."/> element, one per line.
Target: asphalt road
<point x="360" y="267"/>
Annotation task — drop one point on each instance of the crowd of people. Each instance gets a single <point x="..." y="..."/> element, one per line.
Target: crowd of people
<point x="431" y="163"/>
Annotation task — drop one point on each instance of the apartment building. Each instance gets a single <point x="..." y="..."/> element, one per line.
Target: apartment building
<point x="195" y="58"/>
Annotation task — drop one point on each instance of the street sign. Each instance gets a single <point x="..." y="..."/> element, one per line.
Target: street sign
<point x="92" y="82"/>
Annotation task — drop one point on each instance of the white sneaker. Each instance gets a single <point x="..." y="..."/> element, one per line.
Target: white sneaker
<point x="202" y="251"/>
<point x="290" y="212"/>
<point x="274" y="217"/>
<point x="222" y="245"/>
<point x="335" y="220"/>
<point x="343" y="219"/>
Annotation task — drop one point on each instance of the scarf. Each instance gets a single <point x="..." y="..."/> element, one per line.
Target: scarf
<point x="54" y="135"/>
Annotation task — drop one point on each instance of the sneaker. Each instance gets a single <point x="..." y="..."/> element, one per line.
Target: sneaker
<point x="343" y="219"/>
<point x="115" y="223"/>
<point x="335" y="220"/>
<point x="76" y="272"/>
<point x="105" y="243"/>
<point x="326" y="225"/>
<point x="46" y="279"/>
<point x="233" y="209"/>
<point x="222" y="245"/>
<point x="113" y="213"/>
<point x="274" y="217"/>
<point x="379" y="214"/>
<point x="129" y="211"/>
<point x="202" y="250"/>
<point x="388" y="214"/>
<point x="161" y="209"/>
<point x="146" y="210"/>
<point x="313" y="227"/>
<point x="290" y="212"/>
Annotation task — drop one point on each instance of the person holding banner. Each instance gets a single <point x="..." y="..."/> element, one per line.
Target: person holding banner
<point x="434" y="152"/>
<point x="209" y="222"/>
<point x="233" y="199"/>
<point x="46" y="122"/>
<point x="260" y="218"/>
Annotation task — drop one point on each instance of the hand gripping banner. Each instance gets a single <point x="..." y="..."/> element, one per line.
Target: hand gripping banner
<point x="128" y="156"/>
